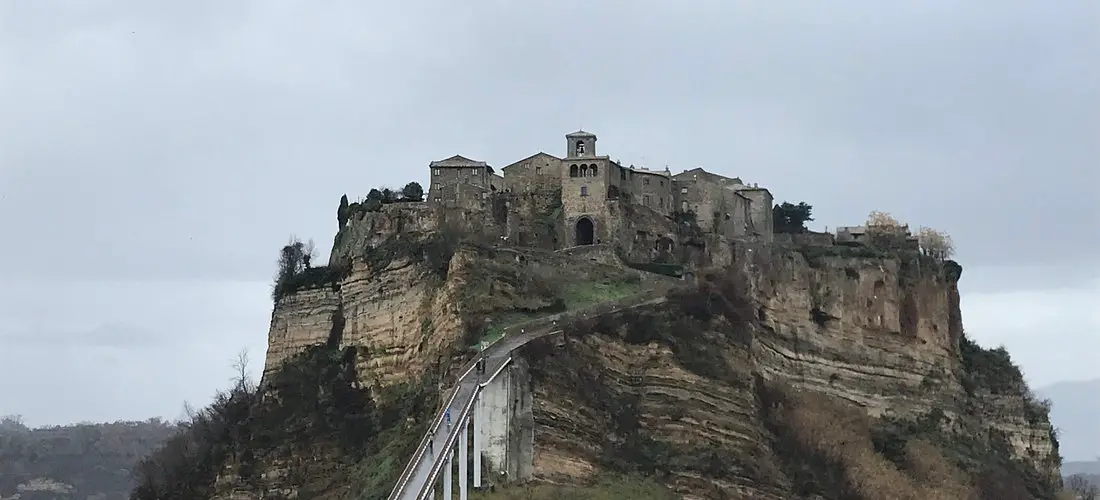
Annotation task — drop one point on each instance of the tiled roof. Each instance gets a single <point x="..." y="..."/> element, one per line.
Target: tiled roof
<point x="458" y="161"/>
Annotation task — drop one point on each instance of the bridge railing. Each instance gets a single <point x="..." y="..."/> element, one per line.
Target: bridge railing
<point x="535" y="324"/>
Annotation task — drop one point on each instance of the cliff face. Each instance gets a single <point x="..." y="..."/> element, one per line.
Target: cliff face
<point x="682" y="389"/>
<point x="719" y="392"/>
<point x="410" y="295"/>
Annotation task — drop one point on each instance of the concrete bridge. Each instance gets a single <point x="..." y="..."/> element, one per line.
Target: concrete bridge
<point x="486" y="401"/>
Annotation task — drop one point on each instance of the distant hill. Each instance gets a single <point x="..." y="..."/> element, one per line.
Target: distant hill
<point x="85" y="461"/>
<point x="1075" y="410"/>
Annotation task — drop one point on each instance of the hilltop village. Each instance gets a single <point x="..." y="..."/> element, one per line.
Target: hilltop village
<point x="591" y="185"/>
<point x="584" y="198"/>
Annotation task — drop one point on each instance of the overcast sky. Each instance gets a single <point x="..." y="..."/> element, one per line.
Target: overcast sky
<point x="155" y="155"/>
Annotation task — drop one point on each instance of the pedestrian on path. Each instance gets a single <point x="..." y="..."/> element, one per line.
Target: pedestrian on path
<point x="447" y="415"/>
<point x="431" y="445"/>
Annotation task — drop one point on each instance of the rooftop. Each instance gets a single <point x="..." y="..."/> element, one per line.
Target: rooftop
<point x="458" y="161"/>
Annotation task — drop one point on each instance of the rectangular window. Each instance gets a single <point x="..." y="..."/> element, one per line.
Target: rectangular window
<point x="584" y="190"/>
<point x="645" y="200"/>
<point x="683" y="190"/>
<point x="538" y="170"/>
<point x="436" y="171"/>
<point x="473" y="172"/>
<point x="662" y="183"/>
<point x="645" y="182"/>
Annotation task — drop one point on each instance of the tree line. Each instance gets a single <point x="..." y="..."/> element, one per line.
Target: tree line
<point x="412" y="192"/>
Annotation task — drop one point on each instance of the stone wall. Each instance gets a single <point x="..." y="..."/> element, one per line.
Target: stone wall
<point x="541" y="172"/>
<point x="452" y="184"/>
<point x="760" y="211"/>
<point x="807" y="238"/>
<point x="534" y="219"/>
<point x="651" y="189"/>
<point x="506" y="424"/>
<point x="718" y="209"/>
<point x="585" y="197"/>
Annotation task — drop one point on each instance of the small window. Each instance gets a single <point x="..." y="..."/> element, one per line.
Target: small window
<point x="660" y="202"/>
<point x="580" y="148"/>
<point x="584" y="190"/>
<point x="595" y="170"/>
<point x="435" y="171"/>
<point x="683" y="190"/>
<point x="645" y="182"/>
<point x="438" y="198"/>
<point x="645" y="200"/>
<point x="574" y="171"/>
<point x="538" y="170"/>
<point x="727" y="216"/>
<point x="662" y="183"/>
<point x="473" y="172"/>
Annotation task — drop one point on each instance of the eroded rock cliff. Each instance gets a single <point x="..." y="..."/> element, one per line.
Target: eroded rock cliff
<point x="783" y="372"/>
<point x="688" y="390"/>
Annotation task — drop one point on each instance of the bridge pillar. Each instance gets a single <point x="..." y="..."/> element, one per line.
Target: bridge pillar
<point x="448" y="476"/>
<point x="463" y="459"/>
<point x="477" y="440"/>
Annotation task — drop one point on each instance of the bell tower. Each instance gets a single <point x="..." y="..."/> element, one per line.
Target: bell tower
<point x="580" y="144"/>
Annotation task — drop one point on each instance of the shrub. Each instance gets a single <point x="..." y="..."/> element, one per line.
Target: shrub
<point x="314" y="277"/>
<point x="294" y="259"/>
<point x="989" y="369"/>
<point x="310" y="404"/>
<point x="790" y="218"/>
<point x="435" y="250"/>
<point x="412" y="191"/>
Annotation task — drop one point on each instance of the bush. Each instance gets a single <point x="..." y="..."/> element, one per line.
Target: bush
<point x="412" y="191"/>
<point x="314" y="277"/>
<point x="310" y="404"/>
<point x="989" y="369"/>
<point x="435" y="250"/>
<point x="790" y="218"/>
<point x="294" y="262"/>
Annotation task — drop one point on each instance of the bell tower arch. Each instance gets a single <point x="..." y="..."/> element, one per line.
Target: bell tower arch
<point x="580" y="144"/>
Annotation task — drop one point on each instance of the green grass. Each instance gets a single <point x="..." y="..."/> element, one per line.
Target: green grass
<point x="577" y="296"/>
<point x="591" y="293"/>
<point x="608" y="488"/>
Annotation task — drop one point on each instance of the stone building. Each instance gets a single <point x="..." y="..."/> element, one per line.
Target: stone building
<point x="602" y="201"/>
<point x="459" y="179"/>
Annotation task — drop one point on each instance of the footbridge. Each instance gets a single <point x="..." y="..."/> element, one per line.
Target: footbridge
<point x="471" y="401"/>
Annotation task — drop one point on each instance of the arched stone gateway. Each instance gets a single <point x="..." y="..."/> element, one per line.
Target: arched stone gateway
<point x="586" y="231"/>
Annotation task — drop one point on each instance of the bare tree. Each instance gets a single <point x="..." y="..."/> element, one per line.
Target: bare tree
<point x="11" y="423"/>
<point x="936" y="244"/>
<point x="1079" y="485"/>
<point x="884" y="230"/>
<point x="242" y="380"/>
<point x="308" y="252"/>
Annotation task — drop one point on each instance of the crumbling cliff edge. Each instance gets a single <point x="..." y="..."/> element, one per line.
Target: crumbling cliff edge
<point x="774" y="370"/>
<point x="716" y="391"/>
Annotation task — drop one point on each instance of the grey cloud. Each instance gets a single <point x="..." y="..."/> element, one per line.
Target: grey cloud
<point x="187" y="143"/>
<point x="104" y="335"/>
<point x="149" y="150"/>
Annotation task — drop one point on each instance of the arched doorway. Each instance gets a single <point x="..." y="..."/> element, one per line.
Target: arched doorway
<point x="586" y="231"/>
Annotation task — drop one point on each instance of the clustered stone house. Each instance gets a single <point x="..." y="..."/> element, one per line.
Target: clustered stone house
<point x="591" y="185"/>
